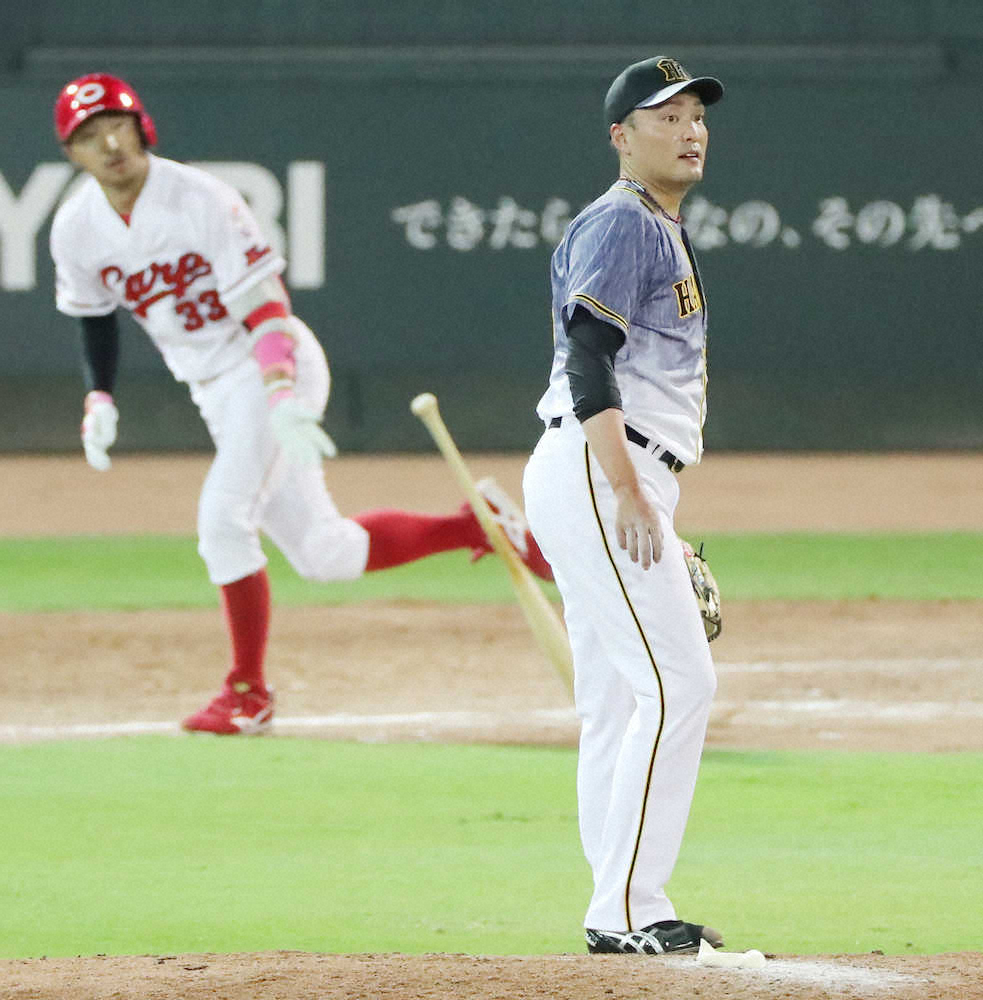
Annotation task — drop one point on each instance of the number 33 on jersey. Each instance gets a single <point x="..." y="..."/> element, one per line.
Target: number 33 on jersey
<point x="190" y="245"/>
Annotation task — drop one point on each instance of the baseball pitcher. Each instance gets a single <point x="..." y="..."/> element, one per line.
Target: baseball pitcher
<point x="623" y="416"/>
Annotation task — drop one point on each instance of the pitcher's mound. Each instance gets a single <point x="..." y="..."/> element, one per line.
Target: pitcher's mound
<point x="303" y="976"/>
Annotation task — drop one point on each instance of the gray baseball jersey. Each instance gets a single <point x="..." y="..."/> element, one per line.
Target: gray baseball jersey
<point x="629" y="263"/>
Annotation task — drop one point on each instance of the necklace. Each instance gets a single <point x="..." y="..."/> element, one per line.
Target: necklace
<point x="641" y="190"/>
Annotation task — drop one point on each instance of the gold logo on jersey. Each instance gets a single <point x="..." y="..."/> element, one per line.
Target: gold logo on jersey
<point x="673" y="72"/>
<point x="687" y="296"/>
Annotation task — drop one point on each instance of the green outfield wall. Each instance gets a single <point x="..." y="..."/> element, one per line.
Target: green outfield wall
<point x="51" y="24"/>
<point x="419" y="192"/>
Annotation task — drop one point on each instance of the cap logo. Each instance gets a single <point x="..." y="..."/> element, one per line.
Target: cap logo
<point x="89" y="93"/>
<point x="673" y="72"/>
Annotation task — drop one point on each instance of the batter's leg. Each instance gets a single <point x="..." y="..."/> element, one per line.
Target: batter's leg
<point x="303" y="521"/>
<point x="228" y="540"/>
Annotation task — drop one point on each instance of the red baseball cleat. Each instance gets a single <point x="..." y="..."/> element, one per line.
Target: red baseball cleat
<point x="238" y="709"/>
<point x="513" y="522"/>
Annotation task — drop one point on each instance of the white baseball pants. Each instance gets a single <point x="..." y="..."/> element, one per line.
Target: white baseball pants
<point x="644" y="679"/>
<point x="251" y="486"/>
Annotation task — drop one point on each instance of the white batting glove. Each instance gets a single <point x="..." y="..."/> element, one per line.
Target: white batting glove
<point x="299" y="433"/>
<point x="99" y="429"/>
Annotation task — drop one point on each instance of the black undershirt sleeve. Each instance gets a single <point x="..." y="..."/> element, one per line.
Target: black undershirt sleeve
<point x="590" y="364"/>
<point x="100" y="352"/>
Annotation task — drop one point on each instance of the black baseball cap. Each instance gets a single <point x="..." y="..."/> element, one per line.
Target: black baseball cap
<point x="652" y="82"/>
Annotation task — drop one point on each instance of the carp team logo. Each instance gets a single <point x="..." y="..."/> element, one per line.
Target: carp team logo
<point x="255" y="253"/>
<point x="89" y="93"/>
<point x="142" y="289"/>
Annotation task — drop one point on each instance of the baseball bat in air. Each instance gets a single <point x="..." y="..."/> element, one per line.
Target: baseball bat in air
<point x="539" y="612"/>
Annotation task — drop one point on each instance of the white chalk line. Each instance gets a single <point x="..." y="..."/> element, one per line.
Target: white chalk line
<point x="759" y="712"/>
<point x="821" y="667"/>
<point x="771" y="712"/>
<point x="560" y="717"/>
<point x="831" y="975"/>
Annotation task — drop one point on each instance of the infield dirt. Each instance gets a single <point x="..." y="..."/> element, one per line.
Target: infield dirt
<point x="868" y="674"/>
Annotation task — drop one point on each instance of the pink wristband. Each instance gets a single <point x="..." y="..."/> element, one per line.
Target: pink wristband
<point x="276" y="350"/>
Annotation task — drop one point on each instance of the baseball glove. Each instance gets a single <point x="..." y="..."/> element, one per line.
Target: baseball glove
<point x="706" y="590"/>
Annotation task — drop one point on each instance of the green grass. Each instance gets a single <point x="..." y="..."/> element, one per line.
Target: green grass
<point x="150" y="571"/>
<point x="163" y="845"/>
<point x="849" y="566"/>
<point x="147" y="571"/>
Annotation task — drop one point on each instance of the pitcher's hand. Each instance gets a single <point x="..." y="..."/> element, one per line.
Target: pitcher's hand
<point x="637" y="527"/>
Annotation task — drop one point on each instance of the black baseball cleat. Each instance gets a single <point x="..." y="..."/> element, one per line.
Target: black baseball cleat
<point x="660" y="938"/>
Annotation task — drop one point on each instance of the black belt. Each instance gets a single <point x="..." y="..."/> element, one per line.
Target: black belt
<point x="643" y="442"/>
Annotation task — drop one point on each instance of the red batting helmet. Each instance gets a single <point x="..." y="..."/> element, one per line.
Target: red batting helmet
<point x="95" y="92"/>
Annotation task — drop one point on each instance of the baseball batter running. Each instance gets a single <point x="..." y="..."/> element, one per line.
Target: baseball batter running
<point x="623" y="415"/>
<point x="183" y="254"/>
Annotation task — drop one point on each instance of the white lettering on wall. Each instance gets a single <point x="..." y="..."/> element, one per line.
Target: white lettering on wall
<point x="306" y="221"/>
<point x="21" y="217"/>
<point x="24" y="214"/>
<point x="931" y="223"/>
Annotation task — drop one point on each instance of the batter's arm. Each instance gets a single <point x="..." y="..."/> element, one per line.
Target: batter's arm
<point x="100" y="351"/>
<point x="100" y="356"/>
<point x="264" y="310"/>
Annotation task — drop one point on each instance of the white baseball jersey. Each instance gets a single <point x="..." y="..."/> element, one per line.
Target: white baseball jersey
<point x="625" y="260"/>
<point x="191" y="246"/>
